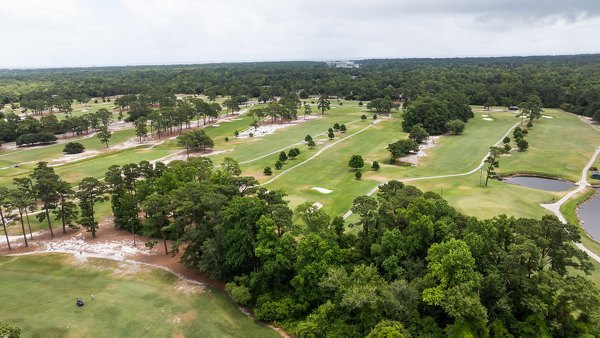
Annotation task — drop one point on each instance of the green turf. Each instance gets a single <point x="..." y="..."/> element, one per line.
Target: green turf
<point x="559" y="147"/>
<point x="38" y="294"/>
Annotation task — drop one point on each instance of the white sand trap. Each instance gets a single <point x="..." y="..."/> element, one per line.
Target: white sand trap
<point x="268" y="129"/>
<point x="84" y="110"/>
<point x="488" y="119"/>
<point x="322" y="190"/>
<point x="117" y="250"/>
<point x="547" y="117"/>
<point x="215" y="125"/>
<point x="74" y="157"/>
<point x="318" y="205"/>
<point x="485" y="115"/>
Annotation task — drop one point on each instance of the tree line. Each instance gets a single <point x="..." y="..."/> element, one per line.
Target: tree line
<point x="567" y="82"/>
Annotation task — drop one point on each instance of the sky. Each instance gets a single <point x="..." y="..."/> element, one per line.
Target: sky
<point x="74" y="33"/>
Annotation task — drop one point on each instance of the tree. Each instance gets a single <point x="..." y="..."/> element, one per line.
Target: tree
<point x="157" y="208"/>
<point x="330" y="134"/>
<point x="268" y="171"/>
<point x="323" y="104"/>
<point x="522" y="144"/>
<point x="489" y="103"/>
<point x="375" y="166"/>
<point x="24" y="188"/>
<point x="195" y="139"/>
<point x="343" y="128"/>
<point x="231" y="166"/>
<point x="492" y="161"/>
<point x="90" y="192"/>
<point x="356" y="162"/>
<point x="311" y="144"/>
<point x="67" y="211"/>
<point x="357" y="175"/>
<point x="307" y="138"/>
<point x="282" y="157"/>
<point x="532" y="108"/>
<point x="363" y="117"/>
<point x="104" y="116"/>
<point x="381" y="105"/>
<point x="4" y="204"/>
<point x="418" y="133"/>
<point x="278" y="165"/>
<point x="336" y="126"/>
<point x="73" y="148"/>
<point x="141" y="130"/>
<point x="388" y="329"/>
<point x="506" y="140"/>
<point x="292" y="153"/>
<point x="104" y="135"/>
<point x="46" y="189"/>
<point x="401" y="148"/>
<point x="307" y="110"/>
<point x="455" y="127"/>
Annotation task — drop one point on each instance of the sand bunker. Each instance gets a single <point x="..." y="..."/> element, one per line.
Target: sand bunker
<point x="547" y="117"/>
<point x="73" y="157"/>
<point x="485" y="115"/>
<point x="322" y="190"/>
<point x="267" y="129"/>
<point x="317" y="205"/>
<point x="488" y="119"/>
<point x="117" y="250"/>
<point x="215" y="125"/>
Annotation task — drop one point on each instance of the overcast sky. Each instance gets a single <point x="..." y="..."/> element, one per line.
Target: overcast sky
<point x="57" y="33"/>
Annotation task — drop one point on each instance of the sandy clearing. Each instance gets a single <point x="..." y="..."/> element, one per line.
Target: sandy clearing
<point x="547" y="117"/>
<point x="73" y="157"/>
<point x="267" y="129"/>
<point x="485" y="115"/>
<point x="414" y="158"/>
<point x="322" y="190"/>
<point x="488" y="119"/>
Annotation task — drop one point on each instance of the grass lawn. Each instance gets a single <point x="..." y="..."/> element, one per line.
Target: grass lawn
<point x="465" y="194"/>
<point x="560" y="146"/>
<point x="38" y="294"/>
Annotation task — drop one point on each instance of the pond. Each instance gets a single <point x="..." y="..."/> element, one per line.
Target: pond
<point x="589" y="213"/>
<point x="540" y="183"/>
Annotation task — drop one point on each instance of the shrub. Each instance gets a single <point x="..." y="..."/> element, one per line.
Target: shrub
<point x="522" y="144"/>
<point x="73" y="148"/>
<point x="268" y="171"/>
<point x="278" y="165"/>
<point x="455" y="127"/>
<point x="358" y="175"/>
<point x="375" y="166"/>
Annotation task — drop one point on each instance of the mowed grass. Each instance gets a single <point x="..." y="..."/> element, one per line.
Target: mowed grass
<point x="560" y="147"/>
<point x="38" y="294"/>
<point x="468" y="196"/>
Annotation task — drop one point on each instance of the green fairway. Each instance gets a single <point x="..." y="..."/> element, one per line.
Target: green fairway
<point x="38" y="294"/>
<point x="560" y="146"/>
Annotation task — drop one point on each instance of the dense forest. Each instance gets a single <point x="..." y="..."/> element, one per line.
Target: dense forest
<point x="568" y="82"/>
<point x="410" y="266"/>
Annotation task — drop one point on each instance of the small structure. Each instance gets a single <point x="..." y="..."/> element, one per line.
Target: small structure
<point x="596" y="175"/>
<point x="513" y="108"/>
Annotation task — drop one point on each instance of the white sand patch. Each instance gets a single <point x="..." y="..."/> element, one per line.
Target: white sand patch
<point x="414" y="158"/>
<point x="267" y="129"/>
<point x="488" y="119"/>
<point x="547" y="117"/>
<point x="117" y="250"/>
<point x="485" y="115"/>
<point x="317" y="205"/>
<point x="181" y="155"/>
<point x="73" y="157"/>
<point x="215" y="125"/>
<point x="131" y="143"/>
<point x="84" y="110"/>
<point x="322" y="190"/>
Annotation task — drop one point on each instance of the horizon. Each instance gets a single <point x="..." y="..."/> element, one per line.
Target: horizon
<point x="77" y="33"/>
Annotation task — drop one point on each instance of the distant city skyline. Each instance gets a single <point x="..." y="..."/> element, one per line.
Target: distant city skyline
<point x="78" y="33"/>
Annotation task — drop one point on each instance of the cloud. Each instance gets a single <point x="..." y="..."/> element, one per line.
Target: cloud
<point x="41" y="33"/>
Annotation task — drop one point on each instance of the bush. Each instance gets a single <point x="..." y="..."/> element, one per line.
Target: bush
<point x="9" y="331"/>
<point x="240" y="294"/>
<point x="375" y="166"/>
<point x="73" y="148"/>
<point x="278" y="165"/>
<point x="268" y="171"/>
<point x="358" y="175"/>
<point x="455" y="127"/>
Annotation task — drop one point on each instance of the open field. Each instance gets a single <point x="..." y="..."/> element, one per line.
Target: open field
<point x="38" y="294"/>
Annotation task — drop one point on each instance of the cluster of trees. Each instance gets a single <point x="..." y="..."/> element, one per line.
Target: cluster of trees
<point x="438" y="113"/>
<point x="30" y="130"/>
<point x="415" y="266"/>
<point x="9" y="331"/>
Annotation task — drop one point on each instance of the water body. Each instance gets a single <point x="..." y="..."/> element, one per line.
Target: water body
<point x="541" y="183"/>
<point x="589" y="213"/>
